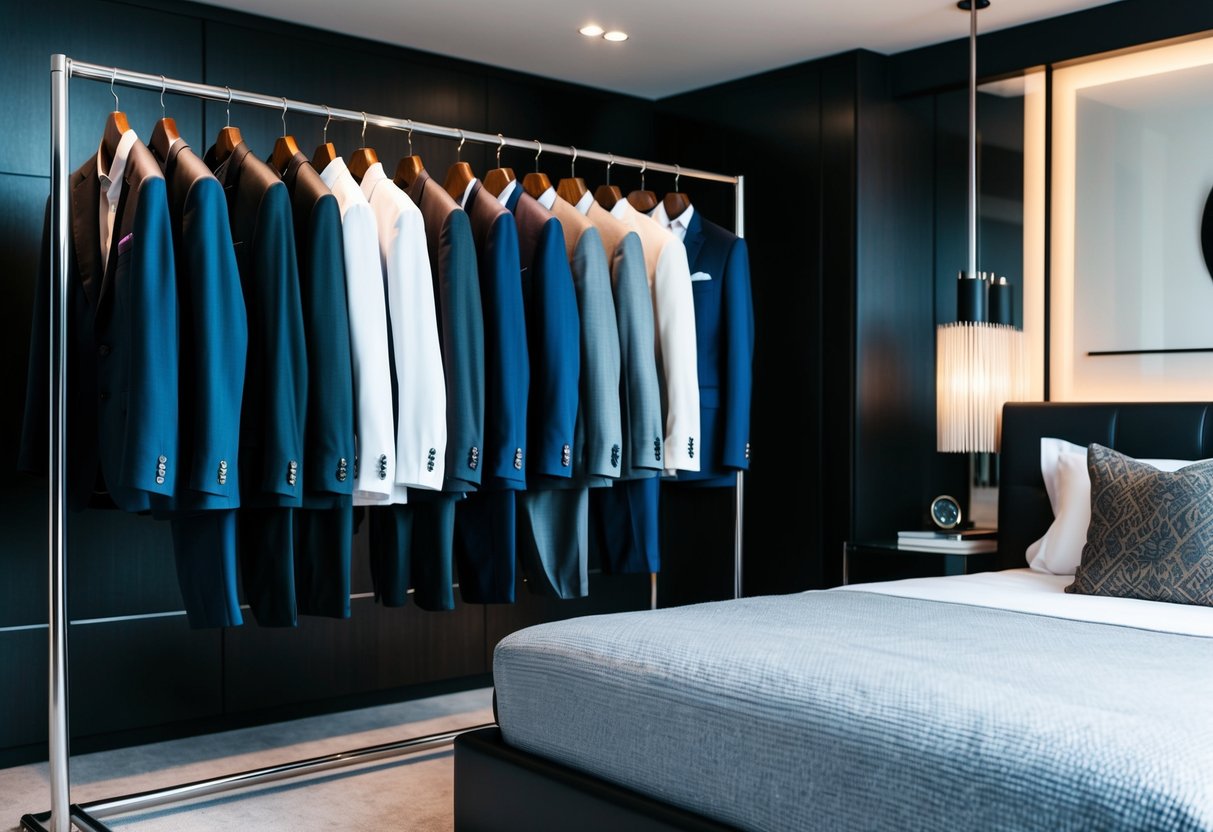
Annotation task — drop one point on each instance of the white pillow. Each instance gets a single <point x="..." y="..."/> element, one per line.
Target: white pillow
<point x="1063" y="465"/>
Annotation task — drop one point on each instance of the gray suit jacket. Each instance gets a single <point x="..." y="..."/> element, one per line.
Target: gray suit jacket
<point x="598" y="443"/>
<point x="643" y="429"/>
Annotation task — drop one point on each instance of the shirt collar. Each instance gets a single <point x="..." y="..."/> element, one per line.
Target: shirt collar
<point x="332" y="172"/>
<point x="463" y="200"/>
<point x="621" y="209"/>
<point x="583" y="204"/>
<point x="373" y="176"/>
<point x="683" y="220"/>
<point x="111" y="180"/>
<point x="507" y="191"/>
<point x="548" y="198"/>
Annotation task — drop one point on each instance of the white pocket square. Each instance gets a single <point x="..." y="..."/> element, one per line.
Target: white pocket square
<point x="700" y="276"/>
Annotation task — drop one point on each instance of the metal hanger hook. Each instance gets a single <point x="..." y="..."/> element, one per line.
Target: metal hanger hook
<point x="677" y="176"/>
<point x="500" y="144"/>
<point x="410" y="137"/>
<point x="113" y="78"/>
<point x="573" y="163"/>
<point x="538" y="153"/>
<point x="610" y="164"/>
<point x="643" y="167"/>
<point x="324" y="135"/>
<point x="364" y="128"/>
<point x="163" y="86"/>
<point x="284" y="115"/>
<point x="229" y="105"/>
<point x="459" y="149"/>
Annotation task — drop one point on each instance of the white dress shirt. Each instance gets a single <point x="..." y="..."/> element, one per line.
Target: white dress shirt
<point x="678" y="225"/>
<point x="548" y="198"/>
<point x="583" y="204"/>
<point x="463" y="200"/>
<point x="373" y="426"/>
<point x="665" y="260"/>
<point x="111" y="191"/>
<point x="504" y="196"/>
<point x="421" y="382"/>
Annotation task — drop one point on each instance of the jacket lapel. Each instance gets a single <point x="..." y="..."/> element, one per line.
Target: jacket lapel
<point x="86" y="231"/>
<point x="121" y="224"/>
<point x="694" y="239"/>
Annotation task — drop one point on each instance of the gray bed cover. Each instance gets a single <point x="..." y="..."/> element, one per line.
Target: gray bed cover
<point x="852" y="710"/>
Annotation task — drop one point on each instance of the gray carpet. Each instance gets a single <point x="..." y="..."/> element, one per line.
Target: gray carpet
<point x="413" y="792"/>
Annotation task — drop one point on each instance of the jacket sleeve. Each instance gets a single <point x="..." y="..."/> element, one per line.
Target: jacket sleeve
<point x="330" y="409"/>
<point x="641" y="394"/>
<point x="554" y="342"/>
<point x="674" y="318"/>
<point x="151" y="415"/>
<point x="739" y="357"/>
<point x="600" y="367"/>
<point x="421" y="400"/>
<point x="275" y="278"/>
<point x="34" y="453"/>
<point x="368" y="352"/>
<point x="462" y="354"/>
<point x="507" y="367"/>
<point x="219" y="322"/>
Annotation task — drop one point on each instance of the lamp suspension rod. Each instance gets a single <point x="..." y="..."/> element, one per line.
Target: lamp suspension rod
<point x="142" y="80"/>
<point x="973" y="4"/>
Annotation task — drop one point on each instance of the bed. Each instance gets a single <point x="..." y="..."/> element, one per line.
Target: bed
<point x="991" y="701"/>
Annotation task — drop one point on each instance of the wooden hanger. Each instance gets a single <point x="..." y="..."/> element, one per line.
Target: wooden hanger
<point x="165" y="131"/>
<point x="496" y="180"/>
<point x="676" y="203"/>
<point x="458" y="175"/>
<point x="115" y="126"/>
<point x="364" y="157"/>
<point x="325" y="153"/>
<point x="536" y="184"/>
<point x="642" y="200"/>
<point x="229" y="137"/>
<point x="572" y="188"/>
<point x="410" y="167"/>
<point x="607" y="195"/>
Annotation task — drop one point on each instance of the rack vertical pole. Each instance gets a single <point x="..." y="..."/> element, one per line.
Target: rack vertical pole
<point x="60" y="820"/>
<point x="739" y="522"/>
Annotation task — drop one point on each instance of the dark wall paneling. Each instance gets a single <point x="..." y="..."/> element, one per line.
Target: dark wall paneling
<point x="23" y="695"/>
<point x="769" y="129"/>
<point x="376" y="648"/>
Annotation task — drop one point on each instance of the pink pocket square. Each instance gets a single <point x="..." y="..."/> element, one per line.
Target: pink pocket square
<point x="124" y="244"/>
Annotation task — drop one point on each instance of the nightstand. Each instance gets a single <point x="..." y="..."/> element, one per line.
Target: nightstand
<point x="883" y="561"/>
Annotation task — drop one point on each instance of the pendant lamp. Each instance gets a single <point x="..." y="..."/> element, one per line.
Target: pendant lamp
<point x="981" y="359"/>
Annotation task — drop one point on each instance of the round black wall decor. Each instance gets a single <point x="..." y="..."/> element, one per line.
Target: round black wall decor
<point x="1206" y="234"/>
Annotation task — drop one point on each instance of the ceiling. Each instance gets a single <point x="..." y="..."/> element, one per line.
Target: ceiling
<point x="674" y="45"/>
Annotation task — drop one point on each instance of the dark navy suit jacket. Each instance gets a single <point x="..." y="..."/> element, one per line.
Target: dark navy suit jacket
<point x="122" y="411"/>
<point x="724" y="334"/>
<point x="553" y="330"/>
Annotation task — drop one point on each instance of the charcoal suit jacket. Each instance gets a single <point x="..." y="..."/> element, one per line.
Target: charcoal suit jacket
<point x="122" y="413"/>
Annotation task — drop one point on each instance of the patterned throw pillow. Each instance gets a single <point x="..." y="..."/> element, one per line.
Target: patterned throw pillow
<point x="1151" y="532"/>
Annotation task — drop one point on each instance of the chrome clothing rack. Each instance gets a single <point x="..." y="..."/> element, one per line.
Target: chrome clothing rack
<point x="63" y="814"/>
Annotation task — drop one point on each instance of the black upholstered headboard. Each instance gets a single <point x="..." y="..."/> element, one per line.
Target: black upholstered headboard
<point x="1181" y="430"/>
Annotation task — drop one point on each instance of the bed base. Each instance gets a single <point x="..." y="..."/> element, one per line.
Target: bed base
<point x="502" y="789"/>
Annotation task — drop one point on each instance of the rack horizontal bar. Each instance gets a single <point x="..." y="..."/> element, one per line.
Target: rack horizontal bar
<point x="143" y="80"/>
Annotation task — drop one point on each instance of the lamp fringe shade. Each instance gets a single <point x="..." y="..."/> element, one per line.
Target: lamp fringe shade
<point x="978" y="368"/>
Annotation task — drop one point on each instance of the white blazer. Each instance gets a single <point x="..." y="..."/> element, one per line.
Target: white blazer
<point x="373" y="426"/>
<point x="665" y="260"/>
<point x="421" y="383"/>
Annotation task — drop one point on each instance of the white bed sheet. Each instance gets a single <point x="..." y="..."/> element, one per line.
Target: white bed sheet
<point x="1023" y="590"/>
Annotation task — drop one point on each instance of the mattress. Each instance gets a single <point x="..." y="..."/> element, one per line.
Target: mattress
<point x="871" y="708"/>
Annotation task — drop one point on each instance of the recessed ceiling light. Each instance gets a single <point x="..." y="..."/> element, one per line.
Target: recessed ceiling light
<point x="615" y="36"/>
<point x="591" y="30"/>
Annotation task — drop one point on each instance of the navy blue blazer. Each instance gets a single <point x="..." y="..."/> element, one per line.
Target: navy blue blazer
<point x="553" y="330"/>
<point x="275" y="389"/>
<point x="213" y="334"/>
<point x="506" y="362"/>
<point x="460" y="329"/>
<point x="724" y="334"/>
<point x="122" y="411"/>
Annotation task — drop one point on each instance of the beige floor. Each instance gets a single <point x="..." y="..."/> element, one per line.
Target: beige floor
<point x="405" y="793"/>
